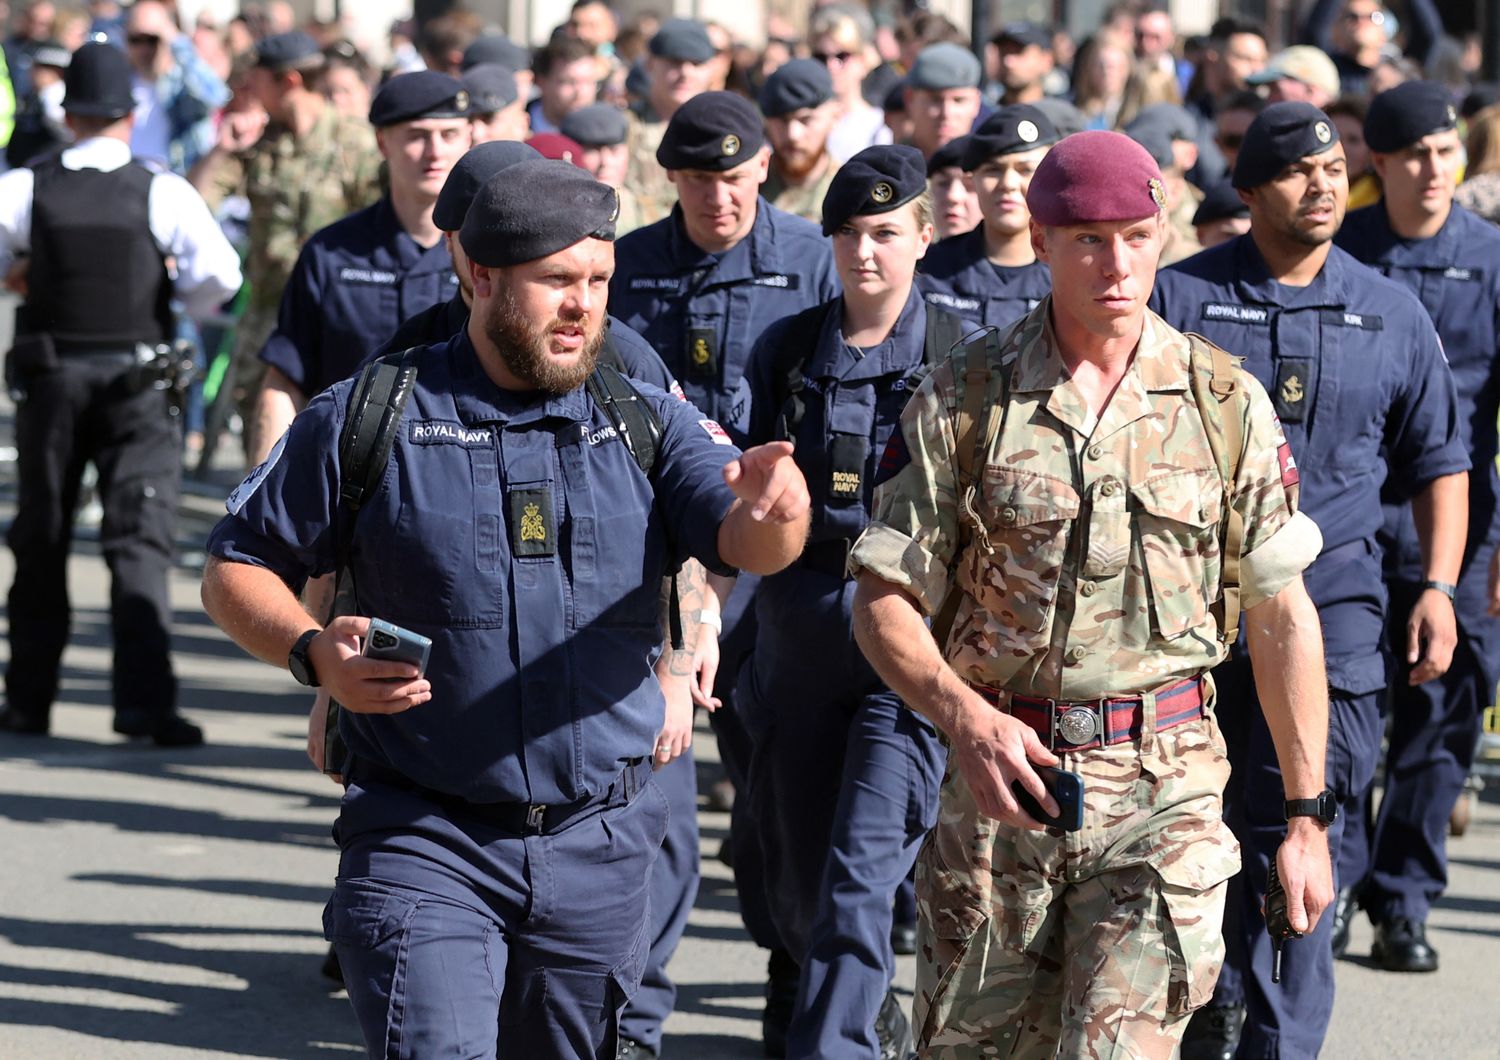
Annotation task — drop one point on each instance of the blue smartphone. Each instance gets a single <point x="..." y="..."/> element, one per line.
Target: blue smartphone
<point x="387" y="641"/>
<point x="1066" y="790"/>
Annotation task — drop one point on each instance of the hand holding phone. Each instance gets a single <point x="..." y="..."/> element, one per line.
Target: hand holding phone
<point x="1066" y="790"/>
<point x="391" y="642"/>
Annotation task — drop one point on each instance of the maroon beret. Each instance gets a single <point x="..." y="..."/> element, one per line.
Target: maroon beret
<point x="1095" y="176"/>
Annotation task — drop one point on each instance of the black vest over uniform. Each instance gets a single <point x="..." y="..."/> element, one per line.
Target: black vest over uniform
<point x="97" y="280"/>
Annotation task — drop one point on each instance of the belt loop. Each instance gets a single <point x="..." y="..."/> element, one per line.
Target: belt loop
<point x="1148" y="723"/>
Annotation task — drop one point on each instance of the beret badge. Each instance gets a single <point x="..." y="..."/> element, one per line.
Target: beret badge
<point x="1158" y="193"/>
<point x="461" y="100"/>
<point x="614" y="214"/>
<point x="1028" y="131"/>
<point x="1322" y="132"/>
<point x="730" y="146"/>
<point x="882" y="192"/>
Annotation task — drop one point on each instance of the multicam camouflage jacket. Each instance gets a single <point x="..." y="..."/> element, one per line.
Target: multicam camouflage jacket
<point x="1098" y="561"/>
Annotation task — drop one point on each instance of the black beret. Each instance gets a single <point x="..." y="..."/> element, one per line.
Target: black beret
<point x="1220" y="201"/>
<point x="1170" y="118"/>
<point x="496" y="48"/>
<point x="942" y="66"/>
<point x="1024" y="34"/>
<point x="638" y="80"/>
<point x="414" y="96"/>
<point x="491" y="87"/>
<point x="597" y="125"/>
<point x="683" y="40"/>
<point x="713" y="131"/>
<point x="1066" y="118"/>
<point x="1401" y="116"/>
<point x="472" y="172"/>
<point x="949" y="155"/>
<point x="877" y="180"/>
<point x="795" y="85"/>
<point x="895" y="98"/>
<point x="288" y="51"/>
<point x="97" y="84"/>
<point x="1156" y="141"/>
<point x="536" y="208"/>
<point x="1007" y="131"/>
<point x="1279" y="136"/>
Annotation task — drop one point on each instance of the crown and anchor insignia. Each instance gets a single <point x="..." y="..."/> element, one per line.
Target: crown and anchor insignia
<point x="882" y="193"/>
<point x="1323" y="132"/>
<point x="533" y="527"/>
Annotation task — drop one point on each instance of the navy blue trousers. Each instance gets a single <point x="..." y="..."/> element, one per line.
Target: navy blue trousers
<point x="459" y="939"/>
<point x="843" y="787"/>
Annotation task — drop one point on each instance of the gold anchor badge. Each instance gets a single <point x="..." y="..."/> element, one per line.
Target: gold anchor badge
<point x="532" y="526"/>
<point x="700" y="351"/>
<point x="1291" y="390"/>
<point x="882" y="193"/>
<point x="729" y="146"/>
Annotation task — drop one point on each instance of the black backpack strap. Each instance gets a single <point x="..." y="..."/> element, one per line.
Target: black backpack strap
<point x="800" y="343"/>
<point x="631" y="415"/>
<point x="944" y="332"/>
<point x="609" y="351"/>
<point x="375" y="407"/>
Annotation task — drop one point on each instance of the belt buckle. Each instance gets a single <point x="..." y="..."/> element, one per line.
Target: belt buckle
<point x="536" y="815"/>
<point x="1078" y="725"/>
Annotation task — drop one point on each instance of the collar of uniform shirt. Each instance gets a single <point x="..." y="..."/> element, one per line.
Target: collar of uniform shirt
<point x="755" y="255"/>
<point x="104" y="153"/>
<point x="1255" y="284"/>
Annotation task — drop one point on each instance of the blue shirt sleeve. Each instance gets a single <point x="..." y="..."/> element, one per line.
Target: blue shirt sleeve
<point x="286" y="516"/>
<point x="690" y="487"/>
<point x="295" y="347"/>
<point x="1423" y="433"/>
<point x="760" y="374"/>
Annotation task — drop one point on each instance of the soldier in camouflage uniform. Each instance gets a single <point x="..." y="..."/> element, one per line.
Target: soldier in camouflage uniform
<point x="679" y="67"/>
<point x="308" y="168"/>
<point x="797" y="101"/>
<point x="1088" y="613"/>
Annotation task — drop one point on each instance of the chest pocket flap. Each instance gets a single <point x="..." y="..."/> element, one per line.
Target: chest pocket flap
<point x="1178" y="524"/>
<point x="1028" y="518"/>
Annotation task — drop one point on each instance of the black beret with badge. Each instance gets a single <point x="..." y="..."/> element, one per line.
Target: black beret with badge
<point x="1008" y="131"/>
<point x="472" y="172"/>
<point x="1279" y="136"/>
<point x="597" y="125"/>
<point x="950" y="155"/>
<point x="417" y="96"/>
<point x="683" y="40"/>
<point x="536" y="208"/>
<point x="713" y="131"/>
<point x="288" y="51"/>
<point x="1401" y="116"/>
<point x="796" y="85"/>
<point x="1220" y="201"/>
<point x="491" y="87"/>
<point x="877" y="180"/>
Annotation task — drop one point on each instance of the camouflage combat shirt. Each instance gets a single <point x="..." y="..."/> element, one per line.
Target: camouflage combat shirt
<point x="804" y="200"/>
<point x="1104" y="533"/>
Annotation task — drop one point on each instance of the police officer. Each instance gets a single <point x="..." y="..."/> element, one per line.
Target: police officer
<point x="992" y="274"/>
<point x="92" y="338"/>
<point x="843" y="782"/>
<point x="797" y="101"/>
<point x="301" y="170"/>
<point x="701" y="286"/>
<point x="1054" y="491"/>
<point x="1450" y="260"/>
<point x="1356" y="374"/>
<point x="357" y="279"/>
<point x="500" y="817"/>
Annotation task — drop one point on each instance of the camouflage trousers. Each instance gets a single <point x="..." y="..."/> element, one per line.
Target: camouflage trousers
<point x="1098" y="943"/>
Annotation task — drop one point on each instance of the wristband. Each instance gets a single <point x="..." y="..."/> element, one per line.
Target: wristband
<point x="1446" y="588"/>
<point x="710" y="618"/>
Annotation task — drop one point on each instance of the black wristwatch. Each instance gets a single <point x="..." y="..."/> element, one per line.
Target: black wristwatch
<point x="1325" y="807"/>
<point x="298" y="662"/>
<point x="1448" y="589"/>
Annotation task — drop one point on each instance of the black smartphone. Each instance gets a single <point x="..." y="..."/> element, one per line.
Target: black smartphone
<point x="1066" y="790"/>
<point x="387" y="641"/>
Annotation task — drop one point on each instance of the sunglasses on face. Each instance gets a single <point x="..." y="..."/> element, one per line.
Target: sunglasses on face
<point x="833" y="58"/>
<point x="143" y="40"/>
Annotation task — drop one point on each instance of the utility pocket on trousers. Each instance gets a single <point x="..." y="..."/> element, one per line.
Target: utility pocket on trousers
<point x="1193" y="891"/>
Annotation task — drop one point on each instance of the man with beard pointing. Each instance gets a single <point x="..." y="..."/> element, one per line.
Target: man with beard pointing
<point x="500" y="819"/>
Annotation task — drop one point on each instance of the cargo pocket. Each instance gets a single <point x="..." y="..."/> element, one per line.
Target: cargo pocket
<point x="1028" y="519"/>
<point x="1193" y="890"/>
<point x="369" y="926"/>
<point x="1179" y="519"/>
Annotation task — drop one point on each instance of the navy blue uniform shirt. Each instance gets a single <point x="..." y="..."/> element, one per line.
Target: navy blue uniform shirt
<point x="518" y="533"/>
<point x="438" y="323"/>
<point x="852" y="402"/>
<point x="957" y="276"/>
<point x="1456" y="276"/>
<point x="1356" y="374"/>
<point x="354" y="283"/>
<point x="703" y="312"/>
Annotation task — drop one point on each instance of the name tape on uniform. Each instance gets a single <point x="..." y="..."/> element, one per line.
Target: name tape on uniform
<point x="367" y="277"/>
<point x="438" y="432"/>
